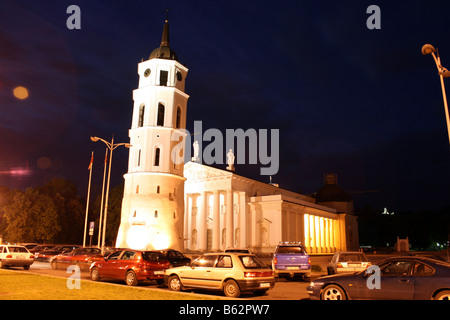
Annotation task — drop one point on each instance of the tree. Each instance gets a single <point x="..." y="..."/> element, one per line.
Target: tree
<point x="30" y="216"/>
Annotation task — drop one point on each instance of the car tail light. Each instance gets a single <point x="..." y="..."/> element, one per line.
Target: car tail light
<point x="32" y="257"/>
<point x="275" y="260"/>
<point x="9" y="256"/>
<point x="339" y="265"/>
<point x="309" y="260"/>
<point x="258" y="274"/>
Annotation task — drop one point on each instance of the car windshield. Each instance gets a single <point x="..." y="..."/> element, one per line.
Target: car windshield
<point x="290" y="249"/>
<point x="18" y="249"/>
<point x="352" y="257"/>
<point x="252" y="262"/>
<point x="152" y="256"/>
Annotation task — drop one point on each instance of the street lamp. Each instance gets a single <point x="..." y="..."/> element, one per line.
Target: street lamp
<point x="443" y="73"/>
<point x="111" y="146"/>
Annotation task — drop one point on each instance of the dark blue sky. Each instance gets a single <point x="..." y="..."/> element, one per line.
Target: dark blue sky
<point x="364" y="104"/>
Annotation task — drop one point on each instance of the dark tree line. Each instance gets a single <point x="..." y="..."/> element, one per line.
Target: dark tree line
<point x="54" y="213"/>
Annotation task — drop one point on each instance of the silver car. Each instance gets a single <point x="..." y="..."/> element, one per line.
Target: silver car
<point x="231" y="273"/>
<point x="11" y="255"/>
<point x="348" y="262"/>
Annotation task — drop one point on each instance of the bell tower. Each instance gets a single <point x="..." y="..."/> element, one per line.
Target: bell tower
<point x="153" y="201"/>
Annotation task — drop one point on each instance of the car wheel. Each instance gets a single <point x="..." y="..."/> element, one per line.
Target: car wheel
<point x="26" y="267"/>
<point x="443" y="295"/>
<point x="130" y="278"/>
<point x="333" y="292"/>
<point x="231" y="289"/>
<point x="95" y="274"/>
<point x="174" y="283"/>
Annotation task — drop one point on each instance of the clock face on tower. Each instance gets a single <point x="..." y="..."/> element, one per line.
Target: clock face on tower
<point x="147" y="72"/>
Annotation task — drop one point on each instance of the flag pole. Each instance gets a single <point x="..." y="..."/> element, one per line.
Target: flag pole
<point x="101" y="204"/>
<point x="87" y="201"/>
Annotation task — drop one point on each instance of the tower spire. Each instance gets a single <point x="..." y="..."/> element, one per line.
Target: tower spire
<point x="165" y="35"/>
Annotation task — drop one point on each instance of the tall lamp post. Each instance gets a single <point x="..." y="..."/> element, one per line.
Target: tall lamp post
<point x="111" y="146"/>
<point x="443" y="73"/>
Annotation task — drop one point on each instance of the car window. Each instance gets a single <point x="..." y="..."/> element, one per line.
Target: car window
<point x="204" y="261"/>
<point x="224" y="262"/>
<point x="128" y="255"/>
<point x="252" y="262"/>
<point x="290" y="249"/>
<point x="114" y="255"/>
<point x="354" y="257"/>
<point x="152" y="255"/>
<point x="396" y="268"/>
<point x="17" y="249"/>
<point x="421" y="269"/>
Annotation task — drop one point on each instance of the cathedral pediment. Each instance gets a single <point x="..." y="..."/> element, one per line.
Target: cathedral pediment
<point x="197" y="171"/>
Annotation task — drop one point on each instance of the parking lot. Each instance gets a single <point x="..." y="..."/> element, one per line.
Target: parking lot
<point x="283" y="290"/>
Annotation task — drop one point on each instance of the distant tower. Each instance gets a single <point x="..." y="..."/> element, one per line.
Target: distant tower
<point x="153" y="200"/>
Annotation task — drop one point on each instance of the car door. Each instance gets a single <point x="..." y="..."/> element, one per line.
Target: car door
<point x="107" y="267"/>
<point x="221" y="270"/>
<point x="396" y="282"/>
<point x="199" y="274"/>
<point x="122" y="264"/>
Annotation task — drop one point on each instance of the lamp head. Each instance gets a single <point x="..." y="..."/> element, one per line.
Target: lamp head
<point x="95" y="139"/>
<point x="427" y="49"/>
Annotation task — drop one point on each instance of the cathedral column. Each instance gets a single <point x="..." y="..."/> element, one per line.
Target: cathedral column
<point x="242" y="220"/>
<point x="216" y="222"/>
<point x="229" y="220"/>
<point x="201" y="222"/>
<point x="187" y="219"/>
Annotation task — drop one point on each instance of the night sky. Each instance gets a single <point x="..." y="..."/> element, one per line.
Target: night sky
<point x="364" y="104"/>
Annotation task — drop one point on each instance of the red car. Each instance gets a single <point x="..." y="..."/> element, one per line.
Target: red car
<point x="82" y="257"/>
<point x="132" y="266"/>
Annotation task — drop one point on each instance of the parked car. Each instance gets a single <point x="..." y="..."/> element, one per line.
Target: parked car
<point x="132" y="266"/>
<point x="41" y="248"/>
<point x="400" y="278"/>
<point x="47" y="255"/>
<point x="232" y="273"/>
<point x="83" y="257"/>
<point x="12" y="255"/>
<point x="176" y="258"/>
<point x="291" y="259"/>
<point x="348" y="262"/>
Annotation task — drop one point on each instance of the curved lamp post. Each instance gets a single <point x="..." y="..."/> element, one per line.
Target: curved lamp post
<point x="443" y="73"/>
<point x="111" y="146"/>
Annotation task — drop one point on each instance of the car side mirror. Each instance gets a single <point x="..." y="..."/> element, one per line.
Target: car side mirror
<point x="192" y="265"/>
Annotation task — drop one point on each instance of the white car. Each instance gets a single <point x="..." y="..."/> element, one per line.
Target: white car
<point x="232" y="273"/>
<point x="11" y="255"/>
<point x="348" y="262"/>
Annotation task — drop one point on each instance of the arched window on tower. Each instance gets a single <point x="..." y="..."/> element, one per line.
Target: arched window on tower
<point x="157" y="154"/>
<point x="178" y="122"/>
<point x="141" y="115"/>
<point x="160" y="120"/>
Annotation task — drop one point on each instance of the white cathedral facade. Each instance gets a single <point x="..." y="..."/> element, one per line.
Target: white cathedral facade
<point x="195" y="207"/>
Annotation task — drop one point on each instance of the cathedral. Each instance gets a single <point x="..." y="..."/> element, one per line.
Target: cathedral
<point x="200" y="208"/>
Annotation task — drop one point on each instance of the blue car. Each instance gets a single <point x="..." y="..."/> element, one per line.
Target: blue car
<point x="397" y="278"/>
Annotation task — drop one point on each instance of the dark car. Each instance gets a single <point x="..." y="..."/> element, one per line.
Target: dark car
<point x="41" y="248"/>
<point x="397" y="278"/>
<point x="176" y="258"/>
<point x="82" y="257"/>
<point x="48" y="254"/>
<point x="132" y="266"/>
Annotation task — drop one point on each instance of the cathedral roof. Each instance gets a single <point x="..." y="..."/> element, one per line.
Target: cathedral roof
<point x="164" y="51"/>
